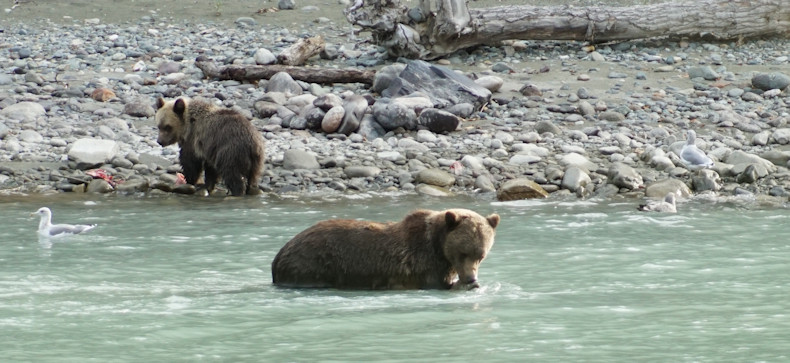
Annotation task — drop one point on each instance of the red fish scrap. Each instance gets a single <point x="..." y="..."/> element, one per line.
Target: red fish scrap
<point x="101" y="174"/>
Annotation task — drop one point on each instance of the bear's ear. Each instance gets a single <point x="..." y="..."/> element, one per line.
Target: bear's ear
<point x="179" y="107"/>
<point x="452" y="220"/>
<point x="493" y="220"/>
<point x="159" y="103"/>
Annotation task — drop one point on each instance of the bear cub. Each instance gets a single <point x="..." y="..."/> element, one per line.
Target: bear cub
<point x="219" y="141"/>
<point x="426" y="250"/>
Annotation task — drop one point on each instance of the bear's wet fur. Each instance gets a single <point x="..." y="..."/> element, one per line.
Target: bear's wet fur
<point x="219" y="141"/>
<point x="426" y="250"/>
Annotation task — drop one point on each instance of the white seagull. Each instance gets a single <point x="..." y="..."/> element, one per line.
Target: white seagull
<point x="692" y="156"/>
<point x="666" y="206"/>
<point x="47" y="229"/>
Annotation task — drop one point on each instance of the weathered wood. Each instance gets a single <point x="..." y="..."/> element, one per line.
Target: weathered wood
<point x="251" y="73"/>
<point x="298" y="53"/>
<point x="448" y="25"/>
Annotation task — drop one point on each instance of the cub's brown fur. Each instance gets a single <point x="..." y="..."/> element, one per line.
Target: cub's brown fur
<point x="219" y="141"/>
<point x="426" y="250"/>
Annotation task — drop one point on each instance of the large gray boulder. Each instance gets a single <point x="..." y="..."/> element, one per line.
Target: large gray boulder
<point x="88" y="153"/>
<point x="24" y="111"/>
<point x="624" y="176"/>
<point x="444" y="86"/>
<point x="740" y="160"/>
<point x="769" y="81"/>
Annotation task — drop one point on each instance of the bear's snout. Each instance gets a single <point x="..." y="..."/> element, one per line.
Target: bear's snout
<point x="164" y="141"/>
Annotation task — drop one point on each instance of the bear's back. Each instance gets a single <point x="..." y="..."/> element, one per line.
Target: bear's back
<point x="355" y="254"/>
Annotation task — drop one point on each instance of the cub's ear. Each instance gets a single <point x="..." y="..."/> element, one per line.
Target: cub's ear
<point x="160" y="102"/>
<point x="452" y="220"/>
<point x="493" y="220"/>
<point x="179" y="107"/>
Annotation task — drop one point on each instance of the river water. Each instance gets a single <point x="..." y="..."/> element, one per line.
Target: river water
<point x="188" y="279"/>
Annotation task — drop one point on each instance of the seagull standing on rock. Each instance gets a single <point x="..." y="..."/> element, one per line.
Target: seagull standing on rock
<point x="47" y="229"/>
<point x="691" y="156"/>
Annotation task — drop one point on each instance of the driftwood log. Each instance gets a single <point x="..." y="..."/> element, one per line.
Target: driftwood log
<point x="438" y="27"/>
<point x="252" y="73"/>
<point x="298" y="53"/>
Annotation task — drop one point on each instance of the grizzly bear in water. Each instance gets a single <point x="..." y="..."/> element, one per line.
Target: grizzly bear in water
<point x="218" y="140"/>
<point x="426" y="250"/>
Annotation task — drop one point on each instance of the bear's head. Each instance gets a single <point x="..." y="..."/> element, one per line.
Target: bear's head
<point x="170" y="120"/>
<point x="468" y="240"/>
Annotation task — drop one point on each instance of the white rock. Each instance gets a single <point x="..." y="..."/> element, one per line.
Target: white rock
<point x="139" y="66"/>
<point x="472" y="162"/>
<point x="505" y="137"/>
<point x="491" y="83"/>
<point x="523" y="159"/>
<point x="264" y="56"/>
<point x="575" y="178"/>
<point x="390" y="155"/>
<point x="426" y="136"/>
<point x="412" y="144"/>
<point x="574" y="159"/>
<point x="415" y="103"/>
<point x="93" y="151"/>
<point x="530" y="149"/>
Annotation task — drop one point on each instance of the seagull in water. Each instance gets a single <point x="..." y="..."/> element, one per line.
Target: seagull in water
<point x="47" y="229"/>
<point x="692" y="156"/>
<point x="667" y="205"/>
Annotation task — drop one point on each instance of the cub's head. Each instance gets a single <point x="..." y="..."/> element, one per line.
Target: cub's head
<point x="469" y="238"/>
<point x="170" y="120"/>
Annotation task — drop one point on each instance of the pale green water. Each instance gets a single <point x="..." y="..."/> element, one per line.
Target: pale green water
<point x="188" y="279"/>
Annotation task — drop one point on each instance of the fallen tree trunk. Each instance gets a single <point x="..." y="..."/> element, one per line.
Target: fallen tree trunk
<point x="251" y="73"/>
<point x="440" y="27"/>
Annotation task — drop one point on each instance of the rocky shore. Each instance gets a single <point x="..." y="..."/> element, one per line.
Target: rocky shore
<point x="76" y="113"/>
